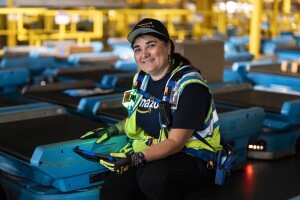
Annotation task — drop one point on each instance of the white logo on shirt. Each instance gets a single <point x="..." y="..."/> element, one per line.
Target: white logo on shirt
<point x="147" y="103"/>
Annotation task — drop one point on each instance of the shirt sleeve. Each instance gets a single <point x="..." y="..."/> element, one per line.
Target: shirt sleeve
<point x="192" y="108"/>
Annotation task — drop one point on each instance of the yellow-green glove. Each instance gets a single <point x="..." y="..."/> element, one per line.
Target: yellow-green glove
<point x="101" y="133"/>
<point x="123" y="162"/>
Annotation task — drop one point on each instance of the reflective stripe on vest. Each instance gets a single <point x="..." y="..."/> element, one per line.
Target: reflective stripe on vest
<point x="139" y="97"/>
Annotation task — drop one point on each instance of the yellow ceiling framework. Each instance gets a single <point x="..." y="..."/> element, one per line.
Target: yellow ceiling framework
<point x="184" y="19"/>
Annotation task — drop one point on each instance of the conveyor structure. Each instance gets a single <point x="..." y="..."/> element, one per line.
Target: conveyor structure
<point x="94" y="58"/>
<point x="119" y="81"/>
<point x="43" y="63"/>
<point x="12" y="79"/>
<point x="5" y="102"/>
<point x="280" y="133"/>
<point x="34" y="65"/>
<point x="288" y="53"/>
<point x="79" y="88"/>
<point x="269" y="46"/>
<point x="106" y="77"/>
<point x="236" y="50"/>
<point x="78" y="97"/>
<point x="266" y="73"/>
<point x="37" y="154"/>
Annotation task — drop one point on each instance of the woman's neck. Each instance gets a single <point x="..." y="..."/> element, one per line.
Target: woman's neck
<point x="156" y="77"/>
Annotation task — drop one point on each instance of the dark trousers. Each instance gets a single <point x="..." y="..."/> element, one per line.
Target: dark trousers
<point x="171" y="178"/>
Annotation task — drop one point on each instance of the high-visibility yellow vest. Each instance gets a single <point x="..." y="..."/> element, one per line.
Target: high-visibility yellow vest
<point x="141" y="140"/>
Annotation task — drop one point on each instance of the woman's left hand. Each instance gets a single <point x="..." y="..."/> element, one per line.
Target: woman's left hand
<point x="123" y="162"/>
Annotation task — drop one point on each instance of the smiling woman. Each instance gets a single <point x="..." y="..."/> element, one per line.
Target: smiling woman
<point x="172" y="124"/>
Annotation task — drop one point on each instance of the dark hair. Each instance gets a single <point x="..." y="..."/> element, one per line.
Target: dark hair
<point x="178" y="59"/>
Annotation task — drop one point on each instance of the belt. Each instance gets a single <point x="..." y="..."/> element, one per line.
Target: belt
<point x="207" y="156"/>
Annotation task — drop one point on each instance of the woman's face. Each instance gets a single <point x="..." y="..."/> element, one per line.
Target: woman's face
<point x="152" y="55"/>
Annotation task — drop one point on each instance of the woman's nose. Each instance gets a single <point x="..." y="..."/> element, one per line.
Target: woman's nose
<point x="145" y="53"/>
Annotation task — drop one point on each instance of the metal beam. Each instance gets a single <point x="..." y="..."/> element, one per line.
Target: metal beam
<point x="255" y="29"/>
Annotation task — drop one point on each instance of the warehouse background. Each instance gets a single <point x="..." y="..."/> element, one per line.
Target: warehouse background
<point x="64" y="66"/>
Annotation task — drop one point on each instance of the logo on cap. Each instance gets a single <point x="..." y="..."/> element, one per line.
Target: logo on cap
<point x="149" y="24"/>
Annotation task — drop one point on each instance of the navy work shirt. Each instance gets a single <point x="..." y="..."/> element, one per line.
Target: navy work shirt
<point x="191" y="111"/>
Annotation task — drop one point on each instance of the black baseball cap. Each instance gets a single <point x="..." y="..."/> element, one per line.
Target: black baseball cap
<point x="148" y="25"/>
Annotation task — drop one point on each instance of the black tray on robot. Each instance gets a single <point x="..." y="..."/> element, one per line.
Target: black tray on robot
<point x="59" y="97"/>
<point x="4" y="102"/>
<point x="116" y="112"/>
<point x="270" y="101"/>
<point x="288" y="48"/>
<point x="273" y="69"/>
<point x="20" y="138"/>
<point x="94" y="74"/>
